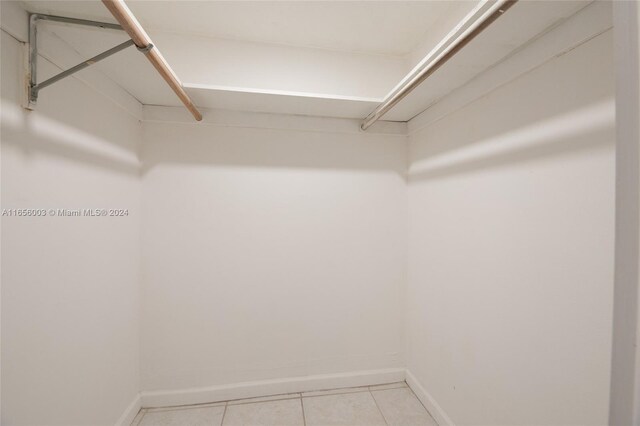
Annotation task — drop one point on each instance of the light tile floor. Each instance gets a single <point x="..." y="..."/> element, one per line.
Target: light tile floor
<point x="393" y="404"/>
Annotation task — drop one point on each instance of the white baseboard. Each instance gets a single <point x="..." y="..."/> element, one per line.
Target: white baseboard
<point x="130" y="412"/>
<point x="205" y="395"/>
<point x="428" y="401"/>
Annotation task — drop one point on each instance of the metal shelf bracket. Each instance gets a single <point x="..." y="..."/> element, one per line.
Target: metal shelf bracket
<point x="34" y="87"/>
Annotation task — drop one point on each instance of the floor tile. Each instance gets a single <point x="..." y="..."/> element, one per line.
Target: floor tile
<point x="264" y="398"/>
<point x="335" y="391"/>
<point x="388" y="386"/>
<point x="352" y="409"/>
<point x="201" y="416"/>
<point x="286" y="412"/>
<point x="401" y="407"/>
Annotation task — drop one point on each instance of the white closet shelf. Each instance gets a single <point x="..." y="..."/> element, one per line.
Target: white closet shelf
<point x="280" y="101"/>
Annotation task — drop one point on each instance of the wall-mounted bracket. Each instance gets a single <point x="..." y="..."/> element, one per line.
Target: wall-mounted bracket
<point x="34" y="86"/>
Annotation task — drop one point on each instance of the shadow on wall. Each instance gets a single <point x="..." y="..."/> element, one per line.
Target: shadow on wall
<point x="202" y="144"/>
<point x="565" y="104"/>
<point x="34" y="133"/>
<point x="70" y="121"/>
<point x="221" y="146"/>
<point x="591" y="127"/>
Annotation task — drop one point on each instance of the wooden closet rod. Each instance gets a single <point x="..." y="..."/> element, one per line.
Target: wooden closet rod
<point x="130" y="24"/>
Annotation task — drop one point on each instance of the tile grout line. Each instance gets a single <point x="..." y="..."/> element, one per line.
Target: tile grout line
<point x="144" y="413"/>
<point x="304" y="417"/>
<point x="423" y="406"/>
<point x="187" y="406"/>
<point x="224" y="413"/>
<point x="329" y="392"/>
<point x="378" y="407"/>
<point x="248" y="400"/>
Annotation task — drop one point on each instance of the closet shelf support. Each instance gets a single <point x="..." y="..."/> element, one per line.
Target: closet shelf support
<point x="34" y="86"/>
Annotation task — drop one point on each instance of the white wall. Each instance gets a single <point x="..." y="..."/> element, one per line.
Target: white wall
<point x="270" y="251"/>
<point x="511" y="220"/>
<point x="625" y="373"/>
<point x="70" y="285"/>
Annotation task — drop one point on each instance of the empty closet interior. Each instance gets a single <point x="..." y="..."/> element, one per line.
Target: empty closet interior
<point x="247" y="199"/>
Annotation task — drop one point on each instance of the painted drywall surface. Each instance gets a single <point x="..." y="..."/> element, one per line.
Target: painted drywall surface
<point x="270" y="253"/>
<point x="70" y="285"/>
<point x="625" y="372"/>
<point x="511" y="222"/>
